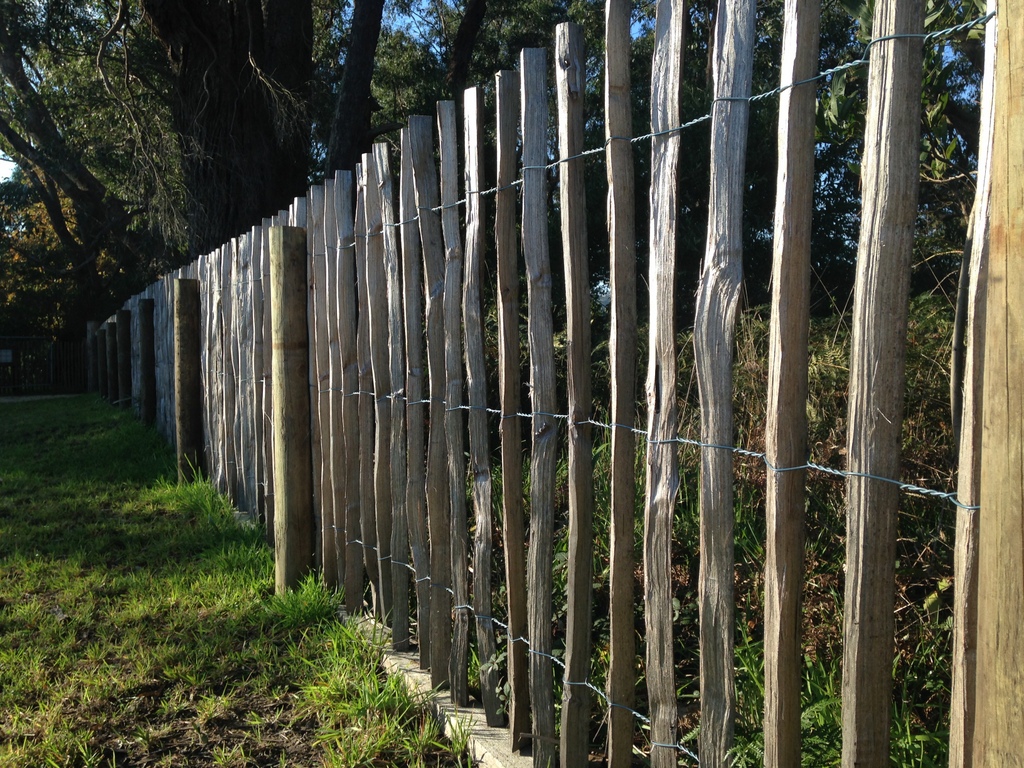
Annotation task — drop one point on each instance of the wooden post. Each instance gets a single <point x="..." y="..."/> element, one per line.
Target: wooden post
<point x="92" y="361"/>
<point x="963" y="704"/>
<point x="188" y="386"/>
<point x="236" y="286"/>
<point x="476" y="390"/>
<point x="318" y="313"/>
<point x="214" y="334"/>
<point x="268" y="380"/>
<point x="533" y="69"/>
<point x="147" y="362"/>
<point x="399" y="571"/>
<point x="415" y="494"/>
<point x="247" y="284"/>
<point x="228" y="393"/>
<point x="124" y="358"/>
<point x="506" y="86"/>
<point x="889" y="181"/>
<point x="570" y="82"/>
<point x="662" y="470"/>
<point x="786" y="432"/>
<point x="101" y="362"/>
<point x="622" y="353"/>
<point x="345" y="209"/>
<point x="293" y="498"/>
<point x="209" y="359"/>
<point x="165" y="351"/>
<point x="1000" y="687"/>
<point x="112" y="369"/>
<point x="315" y="258"/>
<point x="367" y="504"/>
<point x="377" y="303"/>
<point x="454" y="420"/>
<point x="438" y="511"/>
<point x="261" y="343"/>
<point x="334" y="431"/>
<point x="717" y="299"/>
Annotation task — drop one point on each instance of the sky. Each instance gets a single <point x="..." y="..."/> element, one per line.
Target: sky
<point x="6" y="168"/>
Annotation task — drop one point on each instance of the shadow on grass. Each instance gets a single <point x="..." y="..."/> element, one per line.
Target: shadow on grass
<point x="79" y="479"/>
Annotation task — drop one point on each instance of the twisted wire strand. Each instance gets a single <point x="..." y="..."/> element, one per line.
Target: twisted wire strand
<point x="507" y="632"/>
<point x="948" y="496"/>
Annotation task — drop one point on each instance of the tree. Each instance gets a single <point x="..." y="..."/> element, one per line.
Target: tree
<point x="146" y="133"/>
<point x="241" y="84"/>
<point x="350" y="134"/>
<point x="75" y="177"/>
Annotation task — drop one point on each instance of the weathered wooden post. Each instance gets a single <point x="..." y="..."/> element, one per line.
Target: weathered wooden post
<point x="877" y="363"/>
<point x="101" y="362"/>
<point x="364" y="399"/>
<point x="1000" y="684"/>
<point x="569" y="77"/>
<point x="396" y="364"/>
<point x="622" y="351"/>
<point x="344" y="206"/>
<point x="438" y="513"/>
<point x="714" y="329"/>
<point x="967" y="375"/>
<point x="416" y="454"/>
<point x="786" y="432"/>
<point x="112" y="363"/>
<point x="268" y="386"/>
<point x="662" y="469"/>
<point x="506" y="86"/>
<point x="293" y="465"/>
<point x="147" y="362"/>
<point x="91" y="361"/>
<point x="380" y="379"/>
<point x="124" y="358"/>
<point x="454" y="420"/>
<point x="544" y="452"/>
<point x="333" y="430"/>
<point x="476" y="391"/>
<point x="188" y="391"/>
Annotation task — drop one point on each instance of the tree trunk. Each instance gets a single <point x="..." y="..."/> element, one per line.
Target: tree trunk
<point x="461" y="53"/>
<point x="242" y="74"/>
<point x="350" y="134"/>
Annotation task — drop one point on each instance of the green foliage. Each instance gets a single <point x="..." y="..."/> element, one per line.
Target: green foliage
<point x="93" y="213"/>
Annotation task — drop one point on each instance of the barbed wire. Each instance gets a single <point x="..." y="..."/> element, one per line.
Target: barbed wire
<point x="512" y="639"/>
<point x="399" y="395"/>
<point x="863" y="60"/>
<point x="948" y="496"/>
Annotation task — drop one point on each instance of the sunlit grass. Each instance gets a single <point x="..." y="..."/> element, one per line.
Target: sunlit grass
<point x="139" y="623"/>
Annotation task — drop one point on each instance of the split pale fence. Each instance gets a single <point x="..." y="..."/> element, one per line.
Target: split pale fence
<point x="403" y="505"/>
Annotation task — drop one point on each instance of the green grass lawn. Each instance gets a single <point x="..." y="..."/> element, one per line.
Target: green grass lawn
<point x="138" y="625"/>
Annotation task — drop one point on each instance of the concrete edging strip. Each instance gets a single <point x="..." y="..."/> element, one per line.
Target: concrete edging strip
<point x="487" y="746"/>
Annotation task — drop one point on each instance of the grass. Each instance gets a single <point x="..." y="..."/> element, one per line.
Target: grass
<point x="139" y="625"/>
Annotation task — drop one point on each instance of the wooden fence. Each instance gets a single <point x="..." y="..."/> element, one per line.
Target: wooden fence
<point x="38" y="366"/>
<point x="401" y="422"/>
